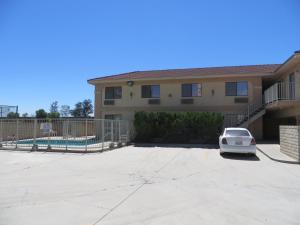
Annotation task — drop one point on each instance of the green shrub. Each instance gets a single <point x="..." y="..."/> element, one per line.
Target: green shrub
<point x="187" y="127"/>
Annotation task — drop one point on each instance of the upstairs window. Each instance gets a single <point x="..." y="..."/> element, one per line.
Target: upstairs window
<point x="150" y="91"/>
<point x="113" y="92"/>
<point x="236" y="88"/>
<point x="191" y="90"/>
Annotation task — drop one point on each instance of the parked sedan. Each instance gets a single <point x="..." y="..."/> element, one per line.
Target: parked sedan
<point x="237" y="140"/>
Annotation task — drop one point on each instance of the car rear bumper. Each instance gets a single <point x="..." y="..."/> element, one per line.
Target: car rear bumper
<point x="238" y="149"/>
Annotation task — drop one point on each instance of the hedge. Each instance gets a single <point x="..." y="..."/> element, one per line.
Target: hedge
<point x="187" y="127"/>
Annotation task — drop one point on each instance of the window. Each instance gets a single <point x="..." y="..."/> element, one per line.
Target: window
<point x="236" y="88"/>
<point x="191" y="90"/>
<point x="239" y="133"/>
<point x="150" y="91"/>
<point x="113" y="92"/>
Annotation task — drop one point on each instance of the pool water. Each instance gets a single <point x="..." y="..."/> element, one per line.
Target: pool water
<point x="60" y="142"/>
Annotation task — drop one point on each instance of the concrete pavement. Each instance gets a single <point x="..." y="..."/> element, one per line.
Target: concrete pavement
<point x="147" y="185"/>
<point x="273" y="152"/>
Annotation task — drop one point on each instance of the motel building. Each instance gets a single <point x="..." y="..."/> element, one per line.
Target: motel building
<point x="257" y="97"/>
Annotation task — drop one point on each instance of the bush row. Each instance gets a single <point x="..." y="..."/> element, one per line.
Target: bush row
<point x="187" y="127"/>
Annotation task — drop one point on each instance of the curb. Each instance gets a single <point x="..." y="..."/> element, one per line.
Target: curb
<point x="277" y="160"/>
<point x="58" y="151"/>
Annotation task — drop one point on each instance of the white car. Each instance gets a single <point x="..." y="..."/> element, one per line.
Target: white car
<point x="237" y="140"/>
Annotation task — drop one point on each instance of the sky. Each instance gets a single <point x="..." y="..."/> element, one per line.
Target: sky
<point x="49" y="49"/>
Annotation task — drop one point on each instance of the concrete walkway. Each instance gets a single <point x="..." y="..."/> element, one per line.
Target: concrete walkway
<point x="147" y="186"/>
<point x="273" y="152"/>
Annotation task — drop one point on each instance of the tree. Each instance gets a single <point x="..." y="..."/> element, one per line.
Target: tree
<point x="54" y="107"/>
<point x="25" y="115"/>
<point x="65" y="111"/>
<point x="53" y="115"/>
<point x="41" y="113"/>
<point x="78" y="110"/>
<point x="83" y="109"/>
<point x="13" y="115"/>
<point x="87" y="107"/>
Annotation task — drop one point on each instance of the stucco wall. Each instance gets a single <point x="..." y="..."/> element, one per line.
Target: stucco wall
<point x="290" y="141"/>
<point x="213" y="97"/>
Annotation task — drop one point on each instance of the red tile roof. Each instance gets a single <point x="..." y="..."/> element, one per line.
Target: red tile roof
<point x="194" y="72"/>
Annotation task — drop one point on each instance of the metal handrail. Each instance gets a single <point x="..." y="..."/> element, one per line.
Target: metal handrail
<point x="280" y="91"/>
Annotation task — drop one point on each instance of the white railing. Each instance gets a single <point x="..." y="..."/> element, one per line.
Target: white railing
<point x="280" y="91"/>
<point x="64" y="134"/>
<point x="237" y="119"/>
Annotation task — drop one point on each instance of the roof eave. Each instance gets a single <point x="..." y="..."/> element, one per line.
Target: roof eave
<point x="293" y="59"/>
<point x="105" y="80"/>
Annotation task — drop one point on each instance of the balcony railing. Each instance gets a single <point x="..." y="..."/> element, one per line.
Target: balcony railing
<point x="280" y="91"/>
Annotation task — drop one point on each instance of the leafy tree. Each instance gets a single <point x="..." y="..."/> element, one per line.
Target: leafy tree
<point x="25" y="115"/>
<point x="41" y="113"/>
<point x="13" y="115"/>
<point x="54" y="107"/>
<point x="78" y="110"/>
<point x="83" y="109"/>
<point x="65" y="111"/>
<point x="87" y="107"/>
<point x="53" y="115"/>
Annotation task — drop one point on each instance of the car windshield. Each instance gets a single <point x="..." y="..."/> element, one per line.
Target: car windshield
<point x="233" y="133"/>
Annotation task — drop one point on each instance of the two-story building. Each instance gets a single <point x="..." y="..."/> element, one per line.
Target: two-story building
<point x="259" y="97"/>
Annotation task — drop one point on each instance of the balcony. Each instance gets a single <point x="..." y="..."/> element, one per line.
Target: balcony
<point x="281" y="95"/>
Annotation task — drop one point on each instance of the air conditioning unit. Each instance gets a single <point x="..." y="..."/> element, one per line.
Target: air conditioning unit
<point x="240" y="100"/>
<point x="109" y="102"/>
<point x="187" y="101"/>
<point x="154" y="101"/>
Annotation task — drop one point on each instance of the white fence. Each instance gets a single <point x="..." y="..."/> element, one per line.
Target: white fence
<point x="280" y="91"/>
<point x="64" y="134"/>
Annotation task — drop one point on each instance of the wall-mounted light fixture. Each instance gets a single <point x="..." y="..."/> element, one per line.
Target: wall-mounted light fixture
<point x="130" y="83"/>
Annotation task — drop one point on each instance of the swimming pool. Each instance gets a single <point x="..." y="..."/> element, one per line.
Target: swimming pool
<point x="80" y="142"/>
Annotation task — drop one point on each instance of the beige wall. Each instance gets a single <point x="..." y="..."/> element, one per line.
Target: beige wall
<point x="170" y="97"/>
<point x="290" y="141"/>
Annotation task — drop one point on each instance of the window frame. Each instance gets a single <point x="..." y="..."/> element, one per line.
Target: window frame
<point x="151" y="91"/>
<point x="191" y="90"/>
<point x="235" y="92"/>
<point x="114" y="93"/>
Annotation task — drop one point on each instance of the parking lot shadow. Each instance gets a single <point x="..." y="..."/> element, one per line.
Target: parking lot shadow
<point x="151" y="145"/>
<point x="237" y="156"/>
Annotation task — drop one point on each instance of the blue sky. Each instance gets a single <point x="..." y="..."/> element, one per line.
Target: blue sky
<point x="48" y="49"/>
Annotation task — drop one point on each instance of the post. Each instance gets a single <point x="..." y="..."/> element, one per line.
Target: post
<point x="86" y="134"/>
<point x="248" y="112"/>
<point x="112" y="131"/>
<point x="34" y="131"/>
<point x="67" y="134"/>
<point x="120" y="131"/>
<point x="48" y="148"/>
<point x="127" y="132"/>
<point x="17" y="136"/>
<point x="103" y="131"/>
<point x="1" y="130"/>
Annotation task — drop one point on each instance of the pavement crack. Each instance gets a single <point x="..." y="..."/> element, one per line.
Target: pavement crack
<point x="120" y="203"/>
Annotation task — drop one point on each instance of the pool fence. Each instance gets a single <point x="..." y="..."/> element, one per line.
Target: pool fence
<point x="69" y="134"/>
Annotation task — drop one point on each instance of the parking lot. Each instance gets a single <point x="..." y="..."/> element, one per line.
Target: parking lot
<point x="147" y="185"/>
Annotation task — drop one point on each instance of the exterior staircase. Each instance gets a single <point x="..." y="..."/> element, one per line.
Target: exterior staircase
<point x="253" y="114"/>
<point x="244" y="119"/>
